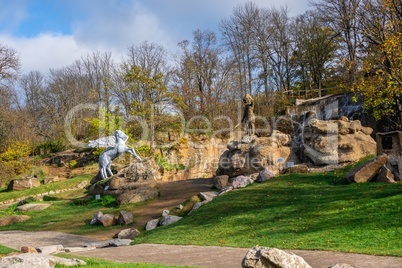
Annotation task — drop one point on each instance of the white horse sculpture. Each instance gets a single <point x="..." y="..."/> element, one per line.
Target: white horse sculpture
<point x="117" y="146"/>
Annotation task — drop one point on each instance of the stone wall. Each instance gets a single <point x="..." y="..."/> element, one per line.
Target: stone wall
<point x="390" y="143"/>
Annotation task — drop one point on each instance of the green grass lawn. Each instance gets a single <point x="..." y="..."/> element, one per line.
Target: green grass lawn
<point x="5" y="250"/>
<point x="70" y="183"/>
<point x="314" y="211"/>
<point x="311" y="211"/>
<point x="67" y="213"/>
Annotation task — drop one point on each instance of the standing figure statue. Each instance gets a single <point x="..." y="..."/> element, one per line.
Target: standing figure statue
<point x="248" y="115"/>
<point x="116" y="146"/>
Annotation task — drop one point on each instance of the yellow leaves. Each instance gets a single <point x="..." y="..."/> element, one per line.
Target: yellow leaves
<point x="16" y="150"/>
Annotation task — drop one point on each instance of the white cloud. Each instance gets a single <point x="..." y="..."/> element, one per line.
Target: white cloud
<point x="114" y="25"/>
<point x="45" y="51"/>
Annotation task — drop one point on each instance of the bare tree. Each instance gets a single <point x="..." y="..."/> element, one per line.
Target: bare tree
<point x="9" y="63"/>
<point x="33" y="87"/>
<point x="202" y="75"/>
<point x="341" y="16"/>
<point x="237" y="33"/>
<point x="98" y="68"/>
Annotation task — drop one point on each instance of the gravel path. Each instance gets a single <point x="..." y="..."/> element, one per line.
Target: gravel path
<point x="214" y="257"/>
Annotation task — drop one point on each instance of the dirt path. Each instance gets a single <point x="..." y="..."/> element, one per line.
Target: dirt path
<point x="172" y="194"/>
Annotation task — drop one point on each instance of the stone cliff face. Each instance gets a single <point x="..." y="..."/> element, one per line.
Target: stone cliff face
<point x="198" y="157"/>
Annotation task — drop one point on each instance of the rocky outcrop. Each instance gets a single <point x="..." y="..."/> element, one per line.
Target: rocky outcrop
<point x="374" y="170"/>
<point x="64" y="159"/>
<point x="260" y="257"/>
<point x="133" y="184"/>
<point x="195" y="154"/>
<point x="245" y="158"/>
<point x="336" y="141"/>
<point x="23" y="184"/>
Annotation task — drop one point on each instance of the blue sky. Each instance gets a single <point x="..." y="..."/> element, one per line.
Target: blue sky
<point x="54" y="33"/>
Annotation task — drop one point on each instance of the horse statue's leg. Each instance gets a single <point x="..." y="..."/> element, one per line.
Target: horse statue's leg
<point x="103" y="172"/>
<point x="108" y="170"/>
<point x="133" y="153"/>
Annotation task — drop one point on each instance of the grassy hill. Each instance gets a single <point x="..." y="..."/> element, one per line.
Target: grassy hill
<point x="294" y="211"/>
<point x="315" y="211"/>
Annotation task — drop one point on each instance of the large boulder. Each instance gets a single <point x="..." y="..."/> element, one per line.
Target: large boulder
<point x="169" y="220"/>
<point x="125" y="218"/>
<point x="108" y="220"/>
<point x="132" y="184"/>
<point x="220" y="182"/>
<point x="129" y="233"/>
<point x="368" y="170"/>
<point x="208" y="196"/>
<point x="241" y="182"/>
<point x="96" y="218"/>
<point x="152" y="224"/>
<point x="336" y="141"/>
<point x="264" y="175"/>
<point x="24" y="184"/>
<point x="246" y="158"/>
<point x="385" y="175"/>
<point x="140" y="171"/>
<point x="260" y="257"/>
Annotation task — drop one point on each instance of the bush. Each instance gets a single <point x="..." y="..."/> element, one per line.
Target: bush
<point x="15" y="151"/>
<point x="48" y="147"/>
<point x="109" y="201"/>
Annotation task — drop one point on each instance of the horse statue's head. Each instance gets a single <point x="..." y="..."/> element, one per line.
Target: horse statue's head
<point x="120" y="135"/>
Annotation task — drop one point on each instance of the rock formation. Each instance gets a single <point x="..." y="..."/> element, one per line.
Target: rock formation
<point x="260" y="257"/>
<point x="133" y="184"/>
<point x="23" y="184"/>
<point x="335" y="141"/>
<point x="245" y="158"/>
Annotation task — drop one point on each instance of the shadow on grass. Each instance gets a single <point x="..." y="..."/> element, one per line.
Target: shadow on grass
<point x="317" y="211"/>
